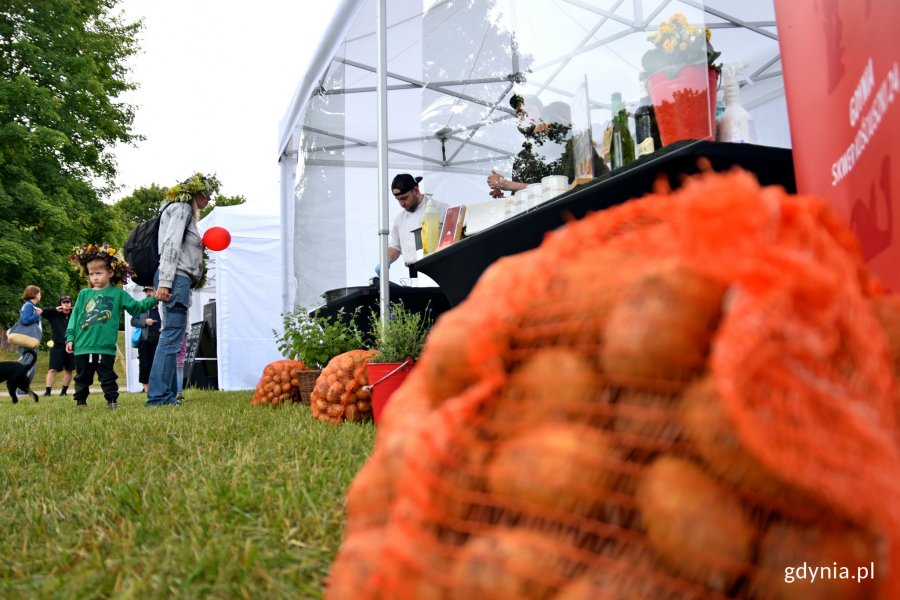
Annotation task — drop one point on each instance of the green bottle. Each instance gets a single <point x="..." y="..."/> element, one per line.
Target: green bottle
<point x="621" y="150"/>
<point x="646" y="132"/>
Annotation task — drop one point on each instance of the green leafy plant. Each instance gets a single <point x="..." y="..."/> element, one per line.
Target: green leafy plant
<point x="402" y="337"/>
<point x="677" y="44"/>
<point x="314" y="339"/>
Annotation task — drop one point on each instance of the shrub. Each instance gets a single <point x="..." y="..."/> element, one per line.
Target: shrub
<point x="314" y="339"/>
<point x="404" y="335"/>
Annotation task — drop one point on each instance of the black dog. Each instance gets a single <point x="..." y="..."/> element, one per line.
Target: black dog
<point x="15" y="374"/>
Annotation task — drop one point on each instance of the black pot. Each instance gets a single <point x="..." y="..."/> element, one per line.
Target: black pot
<point x="341" y="292"/>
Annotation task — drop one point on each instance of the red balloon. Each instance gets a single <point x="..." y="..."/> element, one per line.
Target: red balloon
<point x="216" y="238"/>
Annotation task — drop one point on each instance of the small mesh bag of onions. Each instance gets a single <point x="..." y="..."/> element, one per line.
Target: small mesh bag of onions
<point x="685" y="396"/>
<point x="279" y="383"/>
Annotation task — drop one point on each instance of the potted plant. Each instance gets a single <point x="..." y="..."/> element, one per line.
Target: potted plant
<point x="681" y="79"/>
<point x="399" y="342"/>
<point x="314" y="338"/>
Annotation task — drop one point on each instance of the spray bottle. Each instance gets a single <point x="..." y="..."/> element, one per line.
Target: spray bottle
<point x="736" y="124"/>
<point x="430" y="226"/>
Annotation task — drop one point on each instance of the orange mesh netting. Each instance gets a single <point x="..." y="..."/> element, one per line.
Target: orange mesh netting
<point x="690" y="395"/>
<point x="341" y="392"/>
<point x="279" y="383"/>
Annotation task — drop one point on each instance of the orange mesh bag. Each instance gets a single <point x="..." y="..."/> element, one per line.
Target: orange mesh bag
<point x="691" y="395"/>
<point x="279" y="383"/>
<point x="340" y="394"/>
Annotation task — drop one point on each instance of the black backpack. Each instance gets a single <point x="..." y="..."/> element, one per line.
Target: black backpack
<point x="142" y="249"/>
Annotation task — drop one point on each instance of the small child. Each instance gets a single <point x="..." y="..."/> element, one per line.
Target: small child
<point x="93" y="330"/>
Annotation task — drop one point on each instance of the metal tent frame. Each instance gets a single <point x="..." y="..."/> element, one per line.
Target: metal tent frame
<point x="339" y="77"/>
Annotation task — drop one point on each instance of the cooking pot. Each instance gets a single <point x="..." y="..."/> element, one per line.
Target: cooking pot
<point x="344" y="291"/>
<point x="336" y="293"/>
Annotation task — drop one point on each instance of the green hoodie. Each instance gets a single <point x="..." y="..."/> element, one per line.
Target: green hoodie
<point x="94" y="324"/>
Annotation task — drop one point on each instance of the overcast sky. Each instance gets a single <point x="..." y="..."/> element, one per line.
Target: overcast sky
<point x="215" y="78"/>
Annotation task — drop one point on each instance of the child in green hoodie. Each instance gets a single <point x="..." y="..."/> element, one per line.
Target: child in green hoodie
<point x="93" y="329"/>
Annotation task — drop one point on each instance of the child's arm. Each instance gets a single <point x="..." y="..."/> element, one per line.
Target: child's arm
<point x="134" y="307"/>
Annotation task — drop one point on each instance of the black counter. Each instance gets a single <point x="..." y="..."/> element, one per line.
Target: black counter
<point x="416" y="300"/>
<point x="456" y="268"/>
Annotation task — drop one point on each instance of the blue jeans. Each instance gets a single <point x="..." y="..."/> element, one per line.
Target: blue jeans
<point x="163" y="386"/>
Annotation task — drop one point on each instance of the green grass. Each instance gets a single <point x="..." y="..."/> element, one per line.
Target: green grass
<point x="212" y="499"/>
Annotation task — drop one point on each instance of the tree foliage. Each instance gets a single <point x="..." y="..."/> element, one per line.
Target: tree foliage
<point x="222" y="201"/>
<point x="62" y="70"/>
<point x="144" y="203"/>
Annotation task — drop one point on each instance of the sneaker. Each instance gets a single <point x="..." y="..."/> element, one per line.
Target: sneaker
<point x="46" y="393"/>
<point x="113" y="405"/>
<point x="81" y="406"/>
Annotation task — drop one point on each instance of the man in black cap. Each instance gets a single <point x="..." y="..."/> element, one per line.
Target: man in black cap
<point x="60" y="360"/>
<point x="402" y="240"/>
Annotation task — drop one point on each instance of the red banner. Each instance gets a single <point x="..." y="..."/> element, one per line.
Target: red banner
<point x="840" y="60"/>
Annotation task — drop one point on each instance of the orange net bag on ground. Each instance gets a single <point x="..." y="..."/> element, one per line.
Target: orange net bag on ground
<point x="690" y="395"/>
<point x="341" y="392"/>
<point x="278" y="383"/>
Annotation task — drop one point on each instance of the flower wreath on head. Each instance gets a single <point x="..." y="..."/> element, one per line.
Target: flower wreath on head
<point x="85" y="253"/>
<point x="197" y="183"/>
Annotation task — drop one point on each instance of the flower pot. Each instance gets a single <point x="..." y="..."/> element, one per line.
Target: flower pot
<point x="384" y="379"/>
<point x="685" y="105"/>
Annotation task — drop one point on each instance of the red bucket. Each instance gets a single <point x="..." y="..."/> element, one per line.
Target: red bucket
<point x="385" y="378"/>
<point x="685" y="105"/>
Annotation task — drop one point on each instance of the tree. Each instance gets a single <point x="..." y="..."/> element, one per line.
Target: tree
<point x="62" y="68"/>
<point x="144" y="203"/>
<point x="222" y="201"/>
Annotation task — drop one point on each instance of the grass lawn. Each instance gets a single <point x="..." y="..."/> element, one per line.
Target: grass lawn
<point x="212" y="499"/>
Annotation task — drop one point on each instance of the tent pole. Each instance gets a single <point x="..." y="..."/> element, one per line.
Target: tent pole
<point x="383" y="214"/>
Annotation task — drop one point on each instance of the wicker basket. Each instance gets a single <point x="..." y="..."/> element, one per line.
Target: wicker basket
<point x="308" y="379"/>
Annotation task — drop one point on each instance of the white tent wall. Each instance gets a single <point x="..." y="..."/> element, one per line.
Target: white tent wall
<point x="131" y="354"/>
<point x="247" y="292"/>
<point x="451" y="67"/>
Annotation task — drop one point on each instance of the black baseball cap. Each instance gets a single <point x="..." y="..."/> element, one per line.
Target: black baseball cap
<point x="64" y="299"/>
<point x="403" y="183"/>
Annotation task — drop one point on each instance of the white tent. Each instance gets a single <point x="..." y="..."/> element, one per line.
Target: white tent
<point x="451" y="67"/>
<point x="244" y="280"/>
<point x="247" y="286"/>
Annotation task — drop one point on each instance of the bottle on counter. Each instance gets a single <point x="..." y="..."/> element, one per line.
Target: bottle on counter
<point x="431" y="227"/>
<point x="736" y="124"/>
<point x="622" y="144"/>
<point x="646" y="132"/>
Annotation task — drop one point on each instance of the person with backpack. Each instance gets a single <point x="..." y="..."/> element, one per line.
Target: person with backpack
<point x="180" y="270"/>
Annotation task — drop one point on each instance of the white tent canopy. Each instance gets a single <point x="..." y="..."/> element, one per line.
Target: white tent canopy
<point x="452" y="66"/>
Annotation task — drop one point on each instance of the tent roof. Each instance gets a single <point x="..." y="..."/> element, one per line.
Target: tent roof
<point x="456" y="63"/>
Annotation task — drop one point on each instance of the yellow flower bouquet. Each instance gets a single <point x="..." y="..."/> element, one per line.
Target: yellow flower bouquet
<point x="677" y="44"/>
